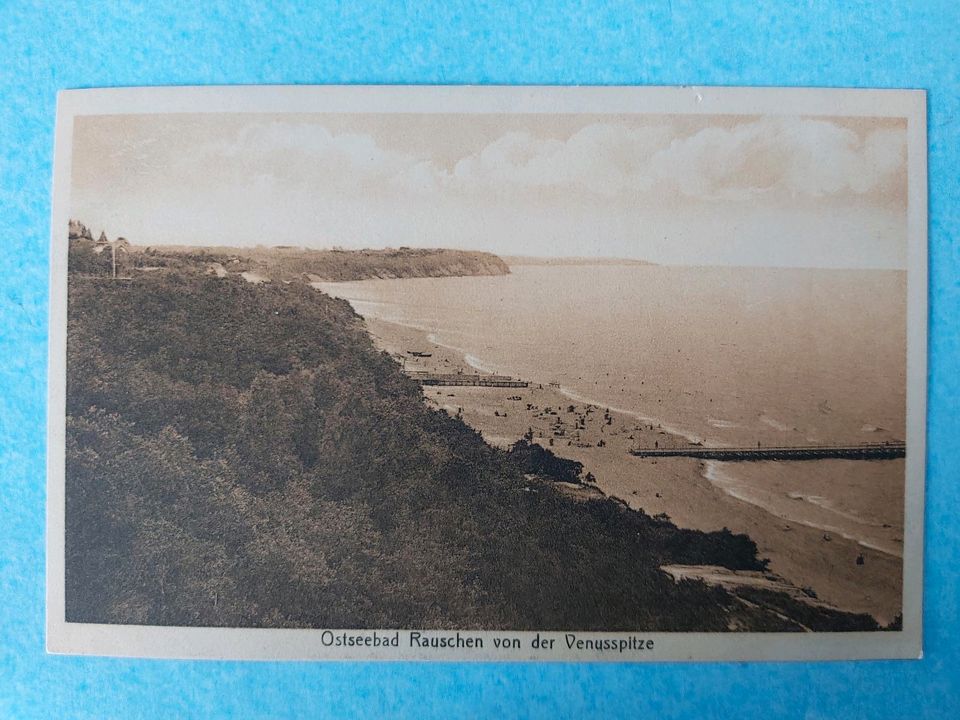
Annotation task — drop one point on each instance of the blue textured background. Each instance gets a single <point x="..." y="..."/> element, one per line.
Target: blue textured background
<point x="48" y="46"/>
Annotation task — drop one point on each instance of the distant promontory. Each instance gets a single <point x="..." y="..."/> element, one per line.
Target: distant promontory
<point x="282" y="262"/>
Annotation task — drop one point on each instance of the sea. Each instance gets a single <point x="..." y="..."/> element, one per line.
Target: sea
<point x="724" y="356"/>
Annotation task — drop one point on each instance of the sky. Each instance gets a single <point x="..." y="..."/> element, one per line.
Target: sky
<point x="689" y="190"/>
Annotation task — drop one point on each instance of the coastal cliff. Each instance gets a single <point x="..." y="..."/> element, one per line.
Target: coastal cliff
<point x="239" y="453"/>
<point x="282" y="263"/>
<point x="403" y="263"/>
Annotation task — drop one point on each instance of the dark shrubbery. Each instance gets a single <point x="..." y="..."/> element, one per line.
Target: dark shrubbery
<point x="241" y="455"/>
<point x="83" y="260"/>
<point x="535" y="459"/>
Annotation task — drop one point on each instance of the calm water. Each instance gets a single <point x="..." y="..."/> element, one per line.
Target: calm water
<point x="727" y="356"/>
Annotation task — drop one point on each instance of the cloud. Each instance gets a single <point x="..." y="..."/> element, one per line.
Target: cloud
<point x="802" y="157"/>
<point x="783" y="157"/>
<point x="798" y="157"/>
<point x="602" y="159"/>
<point x="304" y="153"/>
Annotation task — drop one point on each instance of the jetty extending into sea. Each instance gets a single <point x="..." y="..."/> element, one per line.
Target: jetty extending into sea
<point x="429" y="378"/>
<point x="865" y="451"/>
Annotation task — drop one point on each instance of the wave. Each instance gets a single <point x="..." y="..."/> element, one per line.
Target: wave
<point x="648" y="419"/>
<point x="733" y="487"/>
<point x="825" y="504"/>
<point x="722" y="424"/>
<point x="775" y="424"/>
<point x="478" y="364"/>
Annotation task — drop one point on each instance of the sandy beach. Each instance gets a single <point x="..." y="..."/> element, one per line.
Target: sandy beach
<point x="804" y="556"/>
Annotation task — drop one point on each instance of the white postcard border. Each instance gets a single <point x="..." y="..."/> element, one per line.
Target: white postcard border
<point x="310" y="644"/>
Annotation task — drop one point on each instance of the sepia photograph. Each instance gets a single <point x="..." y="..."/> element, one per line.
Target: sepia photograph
<point x="487" y="373"/>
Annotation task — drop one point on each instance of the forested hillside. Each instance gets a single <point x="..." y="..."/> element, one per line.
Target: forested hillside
<point x="241" y="455"/>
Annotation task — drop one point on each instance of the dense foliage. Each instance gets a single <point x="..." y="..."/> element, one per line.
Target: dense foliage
<point x="242" y="455"/>
<point x="295" y="263"/>
<point x="537" y="460"/>
<point x="83" y="260"/>
<point x="363" y="264"/>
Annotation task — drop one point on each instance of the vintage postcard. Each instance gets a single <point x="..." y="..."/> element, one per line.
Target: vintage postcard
<point x="487" y="373"/>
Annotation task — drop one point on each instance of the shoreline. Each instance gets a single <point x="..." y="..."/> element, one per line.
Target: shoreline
<point x="570" y="425"/>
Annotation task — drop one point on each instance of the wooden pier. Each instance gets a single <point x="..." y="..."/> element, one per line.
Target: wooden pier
<point x="462" y="379"/>
<point x="867" y="451"/>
